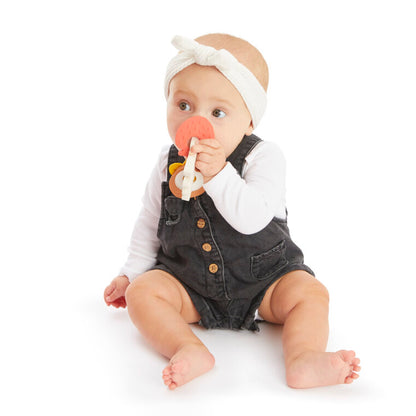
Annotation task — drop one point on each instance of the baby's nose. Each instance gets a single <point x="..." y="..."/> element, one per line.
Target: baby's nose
<point x="202" y="113"/>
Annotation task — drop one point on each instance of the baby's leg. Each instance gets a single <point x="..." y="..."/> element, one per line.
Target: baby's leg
<point x="300" y="303"/>
<point x="161" y="309"/>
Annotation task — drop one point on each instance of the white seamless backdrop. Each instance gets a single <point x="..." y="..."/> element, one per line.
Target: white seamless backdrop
<point x="82" y="120"/>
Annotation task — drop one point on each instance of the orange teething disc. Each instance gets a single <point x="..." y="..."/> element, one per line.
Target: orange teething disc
<point x="196" y="126"/>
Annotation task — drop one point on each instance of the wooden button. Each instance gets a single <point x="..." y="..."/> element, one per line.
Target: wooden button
<point x="200" y="223"/>
<point x="213" y="268"/>
<point x="206" y="247"/>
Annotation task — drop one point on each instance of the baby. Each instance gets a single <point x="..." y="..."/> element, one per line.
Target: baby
<point x="223" y="258"/>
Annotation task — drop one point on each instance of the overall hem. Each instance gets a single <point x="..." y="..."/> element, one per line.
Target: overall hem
<point x="212" y="317"/>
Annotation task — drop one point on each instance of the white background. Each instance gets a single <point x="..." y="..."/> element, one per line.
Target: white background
<point x="82" y="119"/>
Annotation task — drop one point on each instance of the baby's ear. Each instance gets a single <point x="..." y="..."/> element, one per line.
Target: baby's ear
<point x="249" y="130"/>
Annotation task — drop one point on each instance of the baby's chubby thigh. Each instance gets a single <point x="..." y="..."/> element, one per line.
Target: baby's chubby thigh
<point x="163" y="286"/>
<point x="287" y="292"/>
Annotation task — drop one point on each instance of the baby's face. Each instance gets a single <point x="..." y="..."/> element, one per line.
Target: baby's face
<point x="204" y="91"/>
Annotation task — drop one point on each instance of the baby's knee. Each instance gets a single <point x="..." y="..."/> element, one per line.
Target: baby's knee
<point x="147" y="287"/>
<point x="311" y="290"/>
<point x="319" y="290"/>
<point x="314" y="292"/>
<point x="140" y="289"/>
<point x="131" y="292"/>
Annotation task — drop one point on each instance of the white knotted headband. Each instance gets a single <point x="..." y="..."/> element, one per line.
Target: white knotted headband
<point x="242" y="78"/>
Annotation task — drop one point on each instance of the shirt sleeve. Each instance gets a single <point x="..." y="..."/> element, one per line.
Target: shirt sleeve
<point x="144" y="243"/>
<point x="249" y="203"/>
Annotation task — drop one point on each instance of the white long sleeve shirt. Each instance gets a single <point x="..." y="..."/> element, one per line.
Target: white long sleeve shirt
<point x="247" y="203"/>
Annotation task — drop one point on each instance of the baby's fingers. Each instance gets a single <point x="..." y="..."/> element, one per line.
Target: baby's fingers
<point x="120" y="302"/>
<point x="109" y="293"/>
<point x="110" y="288"/>
<point x="213" y="143"/>
<point x="209" y="146"/>
<point x="199" y="148"/>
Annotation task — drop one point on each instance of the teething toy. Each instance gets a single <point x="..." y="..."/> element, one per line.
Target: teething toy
<point x="196" y="126"/>
<point x="186" y="182"/>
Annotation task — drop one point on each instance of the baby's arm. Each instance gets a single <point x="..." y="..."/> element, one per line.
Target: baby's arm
<point x="144" y="243"/>
<point x="248" y="204"/>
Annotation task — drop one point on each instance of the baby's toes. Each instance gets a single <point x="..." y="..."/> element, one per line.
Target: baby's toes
<point x="350" y="359"/>
<point x="168" y="381"/>
<point x="350" y="356"/>
<point x="351" y="378"/>
<point x="355" y="364"/>
<point x="172" y="385"/>
<point x="167" y="375"/>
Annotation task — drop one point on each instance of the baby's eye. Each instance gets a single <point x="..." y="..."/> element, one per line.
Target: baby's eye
<point x="218" y="113"/>
<point x="184" y="106"/>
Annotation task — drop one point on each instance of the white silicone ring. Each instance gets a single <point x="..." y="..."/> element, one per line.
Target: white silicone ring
<point x="196" y="184"/>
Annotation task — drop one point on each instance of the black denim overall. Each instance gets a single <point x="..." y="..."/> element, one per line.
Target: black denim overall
<point x="225" y="273"/>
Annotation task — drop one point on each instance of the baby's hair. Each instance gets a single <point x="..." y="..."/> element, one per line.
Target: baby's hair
<point x="243" y="51"/>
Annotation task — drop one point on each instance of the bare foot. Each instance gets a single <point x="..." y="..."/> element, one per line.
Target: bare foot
<point x="313" y="369"/>
<point x="189" y="362"/>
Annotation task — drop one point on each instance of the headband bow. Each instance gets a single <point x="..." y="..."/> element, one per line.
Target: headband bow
<point x="202" y="54"/>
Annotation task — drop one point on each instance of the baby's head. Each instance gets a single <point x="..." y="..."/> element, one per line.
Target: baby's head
<point x="219" y="77"/>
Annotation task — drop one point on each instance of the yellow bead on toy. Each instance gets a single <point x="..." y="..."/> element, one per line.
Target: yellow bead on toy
<point x="174" y="166"/>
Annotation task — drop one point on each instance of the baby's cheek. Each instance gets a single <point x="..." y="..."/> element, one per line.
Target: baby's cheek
<point x="173" y="122"/>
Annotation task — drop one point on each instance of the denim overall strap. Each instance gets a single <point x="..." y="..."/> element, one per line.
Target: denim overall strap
<point x="239" y="155"/>
<point x="173" y="158"/>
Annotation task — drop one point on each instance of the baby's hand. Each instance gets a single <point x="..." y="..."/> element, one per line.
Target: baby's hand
<point x="211" y="157"/>
<point x="114" y="292"/>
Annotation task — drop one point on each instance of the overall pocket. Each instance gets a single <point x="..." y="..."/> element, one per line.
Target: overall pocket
<point x="170" y="210"/>
<point x="173" y="210"/>
<point x="265" y="265"/>
<point x="171" y="228"/>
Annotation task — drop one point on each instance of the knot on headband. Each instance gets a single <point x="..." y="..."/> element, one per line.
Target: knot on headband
<point x="202" y="54"/>
<point x="192" y="52"/>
